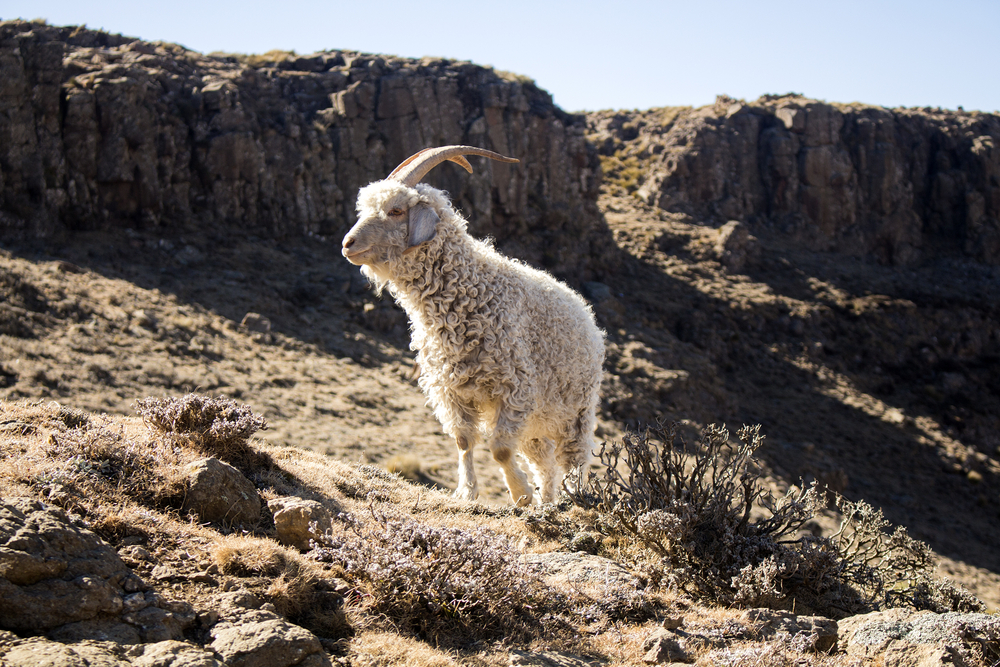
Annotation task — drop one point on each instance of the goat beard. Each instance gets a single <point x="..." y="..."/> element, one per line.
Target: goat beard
<point x="378" y="279"/>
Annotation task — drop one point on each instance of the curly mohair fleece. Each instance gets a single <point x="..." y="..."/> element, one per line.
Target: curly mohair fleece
<point x="505" y="351"/>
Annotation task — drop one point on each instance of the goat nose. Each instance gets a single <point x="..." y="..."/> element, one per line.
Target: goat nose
<point x="348" y="242"/>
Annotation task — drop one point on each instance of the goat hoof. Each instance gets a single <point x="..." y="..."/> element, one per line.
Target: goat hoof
<point x="467" y="493"/>
<point x="523" y="501"/>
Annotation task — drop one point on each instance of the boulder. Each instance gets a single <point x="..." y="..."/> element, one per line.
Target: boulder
<point x="59" y="578"/>
<point x="218" y="492"/>
<point x="663" y="646"/>
<point x="249" y="635"/>
<point x="921" y="638"/>
<point x="41" y="652"/>
<point x="54" y="572"/>
<point x="297" y="520"/>
<point x="735" y="247"/>
<point x="820" y="632"/>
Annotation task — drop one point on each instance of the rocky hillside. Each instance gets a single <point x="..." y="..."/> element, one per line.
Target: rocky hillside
<point x="177" y="541"/>
<point x="898" y="185"/>
<point x="103" y="131"/>
<point x="170" y="223"/>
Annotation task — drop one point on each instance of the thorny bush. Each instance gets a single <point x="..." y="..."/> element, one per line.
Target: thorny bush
<point x="435" y="582"/>
<point x="704" y="523"/>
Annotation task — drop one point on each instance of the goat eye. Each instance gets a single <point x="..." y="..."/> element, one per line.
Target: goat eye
<point x="396" y="212"/>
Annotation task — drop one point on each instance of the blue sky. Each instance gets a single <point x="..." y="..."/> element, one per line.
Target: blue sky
<point x="623" y="55"/>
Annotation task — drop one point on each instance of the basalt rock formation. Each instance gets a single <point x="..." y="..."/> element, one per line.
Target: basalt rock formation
<point x="100" y="130"/>
<point x="898" y="185"/>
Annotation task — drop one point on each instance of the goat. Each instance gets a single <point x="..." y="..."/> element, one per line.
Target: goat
<point x="505" y="351"/>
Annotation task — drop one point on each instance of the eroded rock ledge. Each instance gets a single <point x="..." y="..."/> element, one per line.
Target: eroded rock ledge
<point x="102" y="130"/>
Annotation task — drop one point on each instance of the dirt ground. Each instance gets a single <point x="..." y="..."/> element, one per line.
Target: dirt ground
<point x="869" y="379"/>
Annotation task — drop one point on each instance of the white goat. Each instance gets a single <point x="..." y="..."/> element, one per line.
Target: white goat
<point x="505" y="351"/>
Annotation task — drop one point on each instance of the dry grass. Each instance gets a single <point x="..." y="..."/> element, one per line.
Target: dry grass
<point x="297" y="587"/>
<point x="387" y="649"/>
<point x="407" y="466"/>
<point x="408" y="568"/>
<point x="243" y="555"/>
<point x="100" y="467"/>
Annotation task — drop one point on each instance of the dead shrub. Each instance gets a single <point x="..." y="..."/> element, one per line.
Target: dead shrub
<point x="893" y="569"/>
<point x="688" y="515"/>
<point x="440" y="583"/>
<point x="218" y="427"/>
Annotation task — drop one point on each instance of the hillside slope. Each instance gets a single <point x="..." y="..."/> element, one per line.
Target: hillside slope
<point x="866" y="341"/>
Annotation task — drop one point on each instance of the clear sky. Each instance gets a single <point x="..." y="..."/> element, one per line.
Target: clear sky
<point x="630" y="54"/>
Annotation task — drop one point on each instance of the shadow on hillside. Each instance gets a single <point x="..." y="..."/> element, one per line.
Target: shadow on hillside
<point x="303" y="287"/>
<point x="308" y="292"/>
<point x="861" y="445"/>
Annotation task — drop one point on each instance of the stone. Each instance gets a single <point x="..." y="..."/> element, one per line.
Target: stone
<point x="218" y="492"/>
<point x="551" y="659"/>
<point x="902" y="631"/>
<point x="40" y="652"/>
<point x="172" y="654"/>
<point x="53" y="572"/>
<point x="261" y="638"/>
<point x="662" y="647"/>
<point x="821" y="632"/>
<point x="144" y="319"/>
<point x="735" y="247"/>
<point x="133" y="554"/>
<point x="256" y="322"/>
<point x="902" y="654"/>
<point x="587" y="542"/>
<point x="74" y="587"/>
<point x="297" y="520"/>
<point x="596" y="291"/>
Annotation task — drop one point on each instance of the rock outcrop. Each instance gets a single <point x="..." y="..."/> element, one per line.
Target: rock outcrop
<point x="905" y="637"/>
<point x="59" y="578"/>
<point x="894" y="184"/>
<point x="100" y="130"/>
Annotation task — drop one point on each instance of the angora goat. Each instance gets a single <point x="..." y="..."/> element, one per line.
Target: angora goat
<point x="505" y="351"/>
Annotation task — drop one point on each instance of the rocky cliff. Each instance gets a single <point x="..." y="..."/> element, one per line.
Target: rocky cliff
<point x="100" y="130"/>
<point x="896" y="184"/>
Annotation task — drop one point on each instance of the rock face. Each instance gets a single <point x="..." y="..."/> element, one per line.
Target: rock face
<point x="895" y="184"/>
<point x="100" y="130"/>
<point x="54" y="572"/>
<point x="61" y="579"/>
<point x="905" y="637"/>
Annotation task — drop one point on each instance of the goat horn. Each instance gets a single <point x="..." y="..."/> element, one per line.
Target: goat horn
<point x="414" y="168"/>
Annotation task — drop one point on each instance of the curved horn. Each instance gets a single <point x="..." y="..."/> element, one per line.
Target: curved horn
<point x="415" y="167"/>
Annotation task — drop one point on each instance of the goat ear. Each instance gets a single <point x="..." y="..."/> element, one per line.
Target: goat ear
<point x="422" y="225"/>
